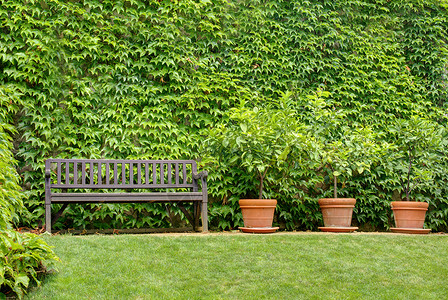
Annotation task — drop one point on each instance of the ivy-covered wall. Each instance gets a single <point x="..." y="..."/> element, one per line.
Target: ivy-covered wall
<point x="146" y="79"/>
<point x="10" y="192"/>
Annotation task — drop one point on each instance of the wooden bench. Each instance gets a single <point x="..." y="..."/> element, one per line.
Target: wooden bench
<point x="171" y="181"/>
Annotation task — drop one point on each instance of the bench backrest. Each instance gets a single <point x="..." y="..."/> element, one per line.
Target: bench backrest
<point x="120" y="174"/>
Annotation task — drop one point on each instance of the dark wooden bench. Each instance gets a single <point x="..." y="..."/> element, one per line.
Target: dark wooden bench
<point x="170" y="181"/>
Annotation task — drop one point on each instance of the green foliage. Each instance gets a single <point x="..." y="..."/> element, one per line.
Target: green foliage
<point x="24" y="258"/>
<point x="417" y="146"/>
<point x="258" y="140"/>
<point x="147" y="79"/>
<point x="10" y="196"/>
<point x="342" y="149"/>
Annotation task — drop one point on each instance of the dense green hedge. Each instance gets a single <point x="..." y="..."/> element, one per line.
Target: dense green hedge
<point x="10" y="191"/>
<point x="145" y="79"/>
<point x="24" y="257"/>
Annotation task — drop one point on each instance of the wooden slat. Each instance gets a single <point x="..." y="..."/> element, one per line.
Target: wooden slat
<point x="176" y="172"/>
<point x="121" y="186"/>
<point x="194" y="171"/>
<point x="154" y="174"/>
<point x="99" y="173"/>
<point x="162" y="179"/>
<point x="115" y="173"/>
<point x="139" y="173"/>
<point x="67" y="173"/>
<point x="147" y="173"/>
<point x="107" y="173"/>
<point x="170" y="181"/>
<point x="83" y="173"/>
<point x="75" y="172"/>
<point x="184" y="172"/>
<point x="131" y="173"/>
<point x="123" y="173"/>
<point x="91" y="172"/>
<point x="126" y="197"/>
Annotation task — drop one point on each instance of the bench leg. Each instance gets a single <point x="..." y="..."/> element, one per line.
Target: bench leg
<point x="204" y="217"/>
<point x="197" y="212"/>
<point x="48" y="218"/>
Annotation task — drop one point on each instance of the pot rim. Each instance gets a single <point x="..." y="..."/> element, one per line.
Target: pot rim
<point x="259" y="202"/>
<point x="409" y="204"/>
<point x="337" y="201"/>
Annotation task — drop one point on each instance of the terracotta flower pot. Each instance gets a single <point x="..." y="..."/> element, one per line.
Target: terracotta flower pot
<point x="337" y="212"/>
<point x="409" y="214"/>
<point x="258" y="212"/>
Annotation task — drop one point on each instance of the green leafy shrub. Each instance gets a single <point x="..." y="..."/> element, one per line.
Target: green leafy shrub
<point x="343" y="149"/>
<point x="417" y="154"/>
<point x="10" y="196"/>
<point x="258" y="140"/>
<point x="260" y="146"/>
<point x="24" y="258"/>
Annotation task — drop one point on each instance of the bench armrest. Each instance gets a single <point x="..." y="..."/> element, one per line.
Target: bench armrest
<point x="47" y="173"/>
<point x="203" y="174"/>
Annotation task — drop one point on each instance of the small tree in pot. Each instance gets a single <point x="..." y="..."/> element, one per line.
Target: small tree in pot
<point x="343" y="151"/>
<point x="258" y="140"/>
<point x="417" y="144"/>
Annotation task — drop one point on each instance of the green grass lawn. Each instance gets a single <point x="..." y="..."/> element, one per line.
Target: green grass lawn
<point x="245" y="266"/>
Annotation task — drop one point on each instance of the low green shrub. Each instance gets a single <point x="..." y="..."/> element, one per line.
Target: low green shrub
<point x="24" y="258"/>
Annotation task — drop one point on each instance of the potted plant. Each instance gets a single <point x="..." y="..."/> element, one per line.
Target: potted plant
<point x="416" y="144"/>
<point x="258" y="140"/>
<point x="343" y="151"/>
